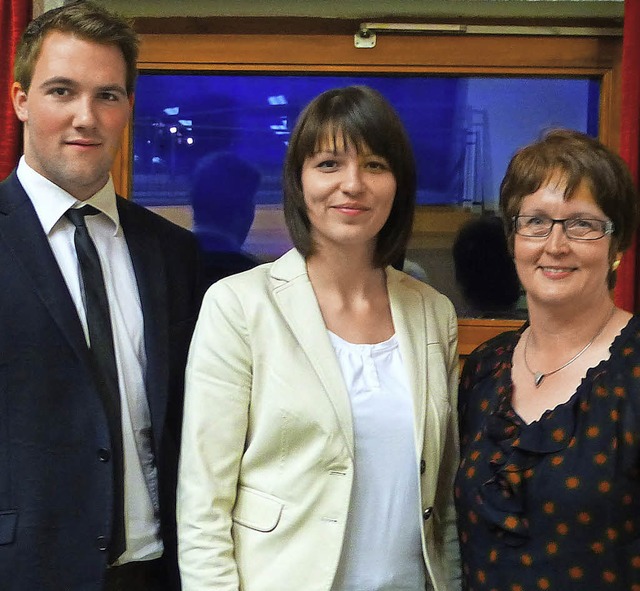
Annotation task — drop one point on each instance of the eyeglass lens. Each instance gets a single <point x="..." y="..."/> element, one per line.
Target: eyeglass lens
<point x="579" y="228"/>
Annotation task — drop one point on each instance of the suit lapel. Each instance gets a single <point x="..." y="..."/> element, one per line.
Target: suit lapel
<point x="22" y="236"/>
<point x="297" y="303"/>
<point x="150" y="272"/>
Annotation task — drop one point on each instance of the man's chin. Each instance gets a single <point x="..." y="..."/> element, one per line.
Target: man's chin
<point x="82" y="185"/>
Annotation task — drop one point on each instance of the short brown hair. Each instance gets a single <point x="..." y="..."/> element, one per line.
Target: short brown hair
<point x="362" y="117"/>
<point x="572" y="158"/>
<point x="87" y="21"/>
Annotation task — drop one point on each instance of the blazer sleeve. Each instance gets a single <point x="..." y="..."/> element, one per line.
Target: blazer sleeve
<point x="450" y="461"/>
<point x="217" y="397"/>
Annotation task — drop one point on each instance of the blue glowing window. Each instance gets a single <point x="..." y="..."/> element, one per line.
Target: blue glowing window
<point x="463" y="129"/>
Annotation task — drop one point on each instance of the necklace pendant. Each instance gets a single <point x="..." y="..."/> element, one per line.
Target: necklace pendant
<point x="537" y="378"/>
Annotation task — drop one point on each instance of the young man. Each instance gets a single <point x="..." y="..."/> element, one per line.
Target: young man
<point x="97" y="306"/>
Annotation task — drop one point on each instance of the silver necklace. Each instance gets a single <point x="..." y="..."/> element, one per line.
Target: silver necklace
<point x="538" y="376"/>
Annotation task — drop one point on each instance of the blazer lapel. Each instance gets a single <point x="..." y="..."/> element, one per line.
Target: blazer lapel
<point x="410" y="323"/>
<point x="149" y="269"/>
<point x="297" y="302"/>
<point x="22" y="236"/>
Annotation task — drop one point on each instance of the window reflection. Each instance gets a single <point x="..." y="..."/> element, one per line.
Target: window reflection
<point x="464" y="131"/>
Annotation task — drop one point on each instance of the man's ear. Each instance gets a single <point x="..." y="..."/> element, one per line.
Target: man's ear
<point x="19" y="101"/>
<point x="131" y="101"/>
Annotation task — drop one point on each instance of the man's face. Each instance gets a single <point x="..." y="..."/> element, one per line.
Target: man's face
<point x="74" y="112"/>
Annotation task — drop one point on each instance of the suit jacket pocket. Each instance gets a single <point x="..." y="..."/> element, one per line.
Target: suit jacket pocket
<point x="8" y="522"/>
<point x="257" y="510"/>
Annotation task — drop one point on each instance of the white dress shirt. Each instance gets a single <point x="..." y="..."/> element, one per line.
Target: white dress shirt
<point x="382" y="549"/>
<point x="140" y="473"/>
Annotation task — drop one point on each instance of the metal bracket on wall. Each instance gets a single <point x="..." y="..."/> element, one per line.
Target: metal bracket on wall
<point x="365" y="37"/>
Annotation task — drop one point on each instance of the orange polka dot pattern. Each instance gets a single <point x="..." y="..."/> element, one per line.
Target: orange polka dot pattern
<point x="554" y="504"/>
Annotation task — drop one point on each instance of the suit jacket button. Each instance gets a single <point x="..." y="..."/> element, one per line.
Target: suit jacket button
<point x="101" y="543"/>
<point x="104" y="455"/>
<point x="423" y="466"/>
<point x="427" y="513"/>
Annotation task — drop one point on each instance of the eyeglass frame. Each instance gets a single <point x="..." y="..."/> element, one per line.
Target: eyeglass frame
<point x="608" y="226"/>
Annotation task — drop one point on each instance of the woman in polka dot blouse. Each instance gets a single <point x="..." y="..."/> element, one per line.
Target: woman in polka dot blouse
<point x="548" y="489"/>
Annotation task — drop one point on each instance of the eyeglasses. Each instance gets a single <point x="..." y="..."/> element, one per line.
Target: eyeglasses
<point x="540" y="226"/>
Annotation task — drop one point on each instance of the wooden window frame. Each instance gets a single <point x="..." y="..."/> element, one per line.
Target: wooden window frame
<point x="462" y="55"/>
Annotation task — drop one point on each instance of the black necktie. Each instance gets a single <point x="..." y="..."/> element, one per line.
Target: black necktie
<point x="104" y="358"/>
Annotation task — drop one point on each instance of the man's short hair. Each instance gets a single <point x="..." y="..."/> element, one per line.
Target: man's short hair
<point x="85" y="20"/>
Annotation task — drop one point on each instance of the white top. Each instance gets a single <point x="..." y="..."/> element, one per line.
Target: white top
<point x="141" y="479"/>
<point x="382" y="549"/>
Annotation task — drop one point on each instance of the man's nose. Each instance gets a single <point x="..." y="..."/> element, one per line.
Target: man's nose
<point x="84" y="114"/>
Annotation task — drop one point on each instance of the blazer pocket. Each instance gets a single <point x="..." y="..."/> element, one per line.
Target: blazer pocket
<point x="8" y="523"/>
<point x="257" y="510"/>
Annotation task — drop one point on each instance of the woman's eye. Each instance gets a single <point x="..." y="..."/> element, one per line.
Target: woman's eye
<point x="327" y="164"/>
<point x="377" y="164"/>
<point x="582" y="224"/>
<point x="536" y="221"/>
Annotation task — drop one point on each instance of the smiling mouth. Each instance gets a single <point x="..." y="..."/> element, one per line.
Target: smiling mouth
<point x="350" y="207"/>
<point x="348" y="211"/>
<point x="83" y="143"/>
<point x="557" y="270"/>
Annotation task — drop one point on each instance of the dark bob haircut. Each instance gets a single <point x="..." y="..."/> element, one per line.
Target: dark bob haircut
<point x="362" y="118"/>
<point x="86" y="20"/>
<point x="570" y="158"/>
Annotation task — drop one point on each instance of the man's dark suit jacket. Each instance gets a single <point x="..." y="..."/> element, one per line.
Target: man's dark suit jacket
<point x="55" y="485"/>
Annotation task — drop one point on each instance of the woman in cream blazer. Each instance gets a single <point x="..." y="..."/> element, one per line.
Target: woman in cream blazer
<point x="268" y="450"/>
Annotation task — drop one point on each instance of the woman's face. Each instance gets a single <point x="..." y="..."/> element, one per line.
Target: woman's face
<point x="555" y="270"/>
<point x="348" y="194"/>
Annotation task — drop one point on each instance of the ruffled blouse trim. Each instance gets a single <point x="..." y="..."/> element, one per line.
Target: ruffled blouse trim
<point x="520" y="447"/>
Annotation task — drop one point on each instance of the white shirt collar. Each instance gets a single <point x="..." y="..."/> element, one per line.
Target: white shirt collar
<point x="50" y="201"/>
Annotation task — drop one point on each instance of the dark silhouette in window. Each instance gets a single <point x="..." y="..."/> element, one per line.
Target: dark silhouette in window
<point x="223" y="200"/>
<point x="485" y="271"/>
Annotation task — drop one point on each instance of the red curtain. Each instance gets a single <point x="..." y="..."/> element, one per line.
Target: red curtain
<point x="14" y="16"/>
<point x="627" y="294"/>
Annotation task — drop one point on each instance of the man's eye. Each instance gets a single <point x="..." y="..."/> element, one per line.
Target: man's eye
<point x="59" y="91"/>
<point x="109" y="96"/>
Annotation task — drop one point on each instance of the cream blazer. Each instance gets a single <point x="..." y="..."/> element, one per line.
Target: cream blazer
<point x="267" y="451"/>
